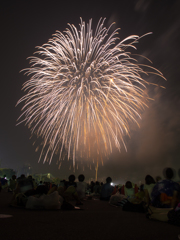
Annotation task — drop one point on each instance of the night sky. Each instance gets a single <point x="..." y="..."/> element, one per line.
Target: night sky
<point x="153" y="146"/>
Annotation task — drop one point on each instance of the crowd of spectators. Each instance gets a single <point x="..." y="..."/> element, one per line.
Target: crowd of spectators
<point x="158" y="198"/>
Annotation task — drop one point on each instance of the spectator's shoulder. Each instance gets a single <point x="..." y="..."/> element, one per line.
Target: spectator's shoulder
<point x="177" y="186"/>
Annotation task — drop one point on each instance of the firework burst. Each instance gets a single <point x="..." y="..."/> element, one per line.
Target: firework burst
<point x="84" y="90"/>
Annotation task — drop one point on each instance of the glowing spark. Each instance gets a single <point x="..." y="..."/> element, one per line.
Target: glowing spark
<point x="83" y="91"/>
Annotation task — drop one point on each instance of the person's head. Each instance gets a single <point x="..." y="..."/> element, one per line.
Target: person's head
<point x="149" y="179"/>
<point x="13" y="177"/>
<point x="158" y="178"/>
<point x="81" y="178"/>
<point x="22" y="176"/>
<point x="97" y="183"/>
<point x="168" y="173"/>
<point x="72" y="178"/>
<point x="92" y="183"/>
<point x="30" y="177"/>
<point x="128" y="184"/>
<point x="108" y="180"/>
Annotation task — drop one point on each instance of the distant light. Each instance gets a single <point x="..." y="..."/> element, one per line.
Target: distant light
<point x="112" y="184"/>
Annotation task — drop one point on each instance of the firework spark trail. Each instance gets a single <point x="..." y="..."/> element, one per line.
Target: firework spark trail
<point x="83" y="92"/>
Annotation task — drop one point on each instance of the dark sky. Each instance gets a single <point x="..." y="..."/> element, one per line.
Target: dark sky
<point x="156" y="145"/>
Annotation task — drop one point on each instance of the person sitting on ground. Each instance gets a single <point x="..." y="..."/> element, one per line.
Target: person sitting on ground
<point x="134" y="199"/>
<point x="170" y="215"/>
<point x="128" y="190"/>
<point x="12" y="183"/>
<point x="41" y="189"/>
<point x="71" y="182"/>
<point x="40" y="183"/>
<point x="24" y="184"/>
<point x="101" y="184"/>
<point x="24" y="187"/>
<point x="62" y="183"/>
<point x="4" y="182"/>
<point x="33" y="181"/>
<point x="69" y="192"/>
<point x="164" y="193"/>
<point x="26" y="196"/>
<point x="91" y="186"/>
<point x="129" y="193"/>
<point x="81" y="187"/>
<point x="88" y="190"/>
<point x="140" y="195"/>
<point x="97" y="188"/>
<point x="106" y="190"/>
<point x="148" y="187"/>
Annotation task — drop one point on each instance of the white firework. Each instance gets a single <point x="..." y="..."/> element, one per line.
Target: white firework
<point x="84" y="90"/>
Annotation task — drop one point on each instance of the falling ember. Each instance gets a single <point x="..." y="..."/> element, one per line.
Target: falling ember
<point x="37" y="149"/>
<point x="59" y="166"/>
<point x="84" y="90"/>
<point x="96" y="169"/>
